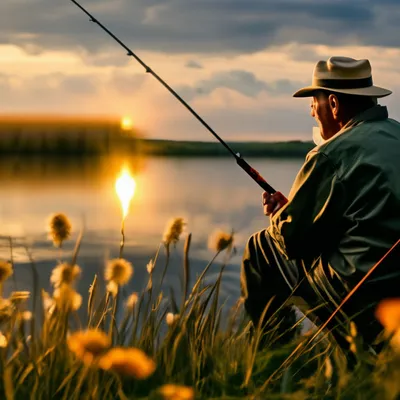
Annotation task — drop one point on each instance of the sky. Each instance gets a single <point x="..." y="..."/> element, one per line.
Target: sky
<point x="236" y="62"/>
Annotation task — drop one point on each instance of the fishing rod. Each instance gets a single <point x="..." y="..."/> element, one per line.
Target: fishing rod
<point x="240" y="161"/>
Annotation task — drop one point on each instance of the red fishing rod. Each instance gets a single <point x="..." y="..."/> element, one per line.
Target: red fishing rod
<point x="240" y="161"/>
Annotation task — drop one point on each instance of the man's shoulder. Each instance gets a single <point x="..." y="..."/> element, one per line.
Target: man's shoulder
<point x="363" y="135"/>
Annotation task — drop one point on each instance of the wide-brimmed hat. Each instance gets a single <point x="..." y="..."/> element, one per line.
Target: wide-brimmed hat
<point x="343" y="75"/>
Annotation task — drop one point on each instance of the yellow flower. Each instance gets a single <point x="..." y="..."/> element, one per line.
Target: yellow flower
<point x="118" y="271"/>
<point x="220" y="241"/>
<point x="176" y="392"/>
<point x="88" y="345"/>
<point x="66" y="298"/>
<point x="131" y="362"/>
<point x="64" y="273"/>
<point x="6" y="271"/>
<point x="174" y="231"/>
<point x="131" y="301"/>
<point x="388" y="314"/>
<point x="59" y="228"/>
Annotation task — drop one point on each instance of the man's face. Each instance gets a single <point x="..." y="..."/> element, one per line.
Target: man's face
<point x="323" y="110"/>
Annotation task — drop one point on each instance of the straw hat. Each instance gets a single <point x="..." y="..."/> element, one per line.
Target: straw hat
<point x="343" y="75"/>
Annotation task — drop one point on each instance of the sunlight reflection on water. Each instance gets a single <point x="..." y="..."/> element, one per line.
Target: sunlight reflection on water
<point x="208" y="193"/>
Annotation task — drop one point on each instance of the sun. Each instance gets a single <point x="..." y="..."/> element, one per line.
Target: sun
<point x="126" y="123"/>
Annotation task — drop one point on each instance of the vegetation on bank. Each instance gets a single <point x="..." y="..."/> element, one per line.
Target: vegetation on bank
<point x="215" y="149"/>
<point x="156" y="345"/>
<point x="165" y="148"/>
<point x="80" y="137"/>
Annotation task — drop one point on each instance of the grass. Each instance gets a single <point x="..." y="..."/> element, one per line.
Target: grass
<point x="188" y="340"/>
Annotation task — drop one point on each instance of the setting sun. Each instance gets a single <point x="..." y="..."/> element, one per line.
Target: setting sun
<point x="125" y="187"/>
<point x="126" y="123"/>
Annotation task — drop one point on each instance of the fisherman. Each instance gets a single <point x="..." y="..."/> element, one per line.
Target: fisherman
<point x="342" y="214"/>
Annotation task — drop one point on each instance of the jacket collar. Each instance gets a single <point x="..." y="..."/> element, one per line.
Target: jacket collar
<point x="375" y="113"/>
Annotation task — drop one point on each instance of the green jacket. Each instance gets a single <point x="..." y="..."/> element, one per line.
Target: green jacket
<point x="345" y="202"/>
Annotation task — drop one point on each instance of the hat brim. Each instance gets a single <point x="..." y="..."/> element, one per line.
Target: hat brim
<point x="371" y="91"/>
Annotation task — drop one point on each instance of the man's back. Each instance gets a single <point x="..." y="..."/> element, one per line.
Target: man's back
<point x="366" y="156"/>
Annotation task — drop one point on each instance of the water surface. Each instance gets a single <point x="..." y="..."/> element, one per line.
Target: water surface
<point x="209" y="193"/>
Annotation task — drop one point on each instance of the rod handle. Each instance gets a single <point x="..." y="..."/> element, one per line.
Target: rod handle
<point x="255" y="175"/>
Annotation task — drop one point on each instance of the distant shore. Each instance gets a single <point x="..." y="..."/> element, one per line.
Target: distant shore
<point x="75" y="137"/>
<point x="288" y="149"/>
<point x="149" y="147"/>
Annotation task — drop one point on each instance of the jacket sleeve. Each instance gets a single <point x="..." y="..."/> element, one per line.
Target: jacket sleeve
<point x="306" y="224"/>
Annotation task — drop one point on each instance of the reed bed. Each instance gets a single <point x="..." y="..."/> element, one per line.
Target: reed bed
<point x="154" y="345"/>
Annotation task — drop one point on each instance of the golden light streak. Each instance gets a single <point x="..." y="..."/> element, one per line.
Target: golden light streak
<point x="125" y="187"/>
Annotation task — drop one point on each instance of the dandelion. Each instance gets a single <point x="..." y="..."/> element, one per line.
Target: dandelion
<point x="130" y="362"/>
<point x="3" y="341"/>
<point x="59" y="229"/>
<point x="131" y="301"/>
<point x="118" y="271"/>
<point x="220" y="241"/>
<point x="174" y="231"/>
<point x="88" y="345"/>
<point x="171" y="318"/>
<point x="67" y="299"/>
<point x="6" y="271"/>
<point x="64" y="273"/>
<point x="150" y="266"/>
<point x="176" y="392"/>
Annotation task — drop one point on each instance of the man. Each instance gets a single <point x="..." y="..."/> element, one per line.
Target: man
<point x="342" y="214"/>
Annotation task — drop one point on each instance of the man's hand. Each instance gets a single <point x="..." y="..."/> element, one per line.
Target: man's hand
<point x="273" y="202"/>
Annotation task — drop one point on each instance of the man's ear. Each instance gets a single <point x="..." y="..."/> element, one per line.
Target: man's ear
<point x="334" y="104"/>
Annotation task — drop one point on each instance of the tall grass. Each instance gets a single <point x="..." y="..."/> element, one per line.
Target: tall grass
<point x="189" y="342"/>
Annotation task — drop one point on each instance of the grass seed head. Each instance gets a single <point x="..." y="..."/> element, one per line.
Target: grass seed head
<point x="64" y="273"/>
<point x="174" y="231"/>
<point x="131" y="301"/>
<point x="59" y="229"/>
<point x="118" y="271"/>
<point x="6" y="270"/>
<point x="220" y="240"/>
<point x="67" y="299"/>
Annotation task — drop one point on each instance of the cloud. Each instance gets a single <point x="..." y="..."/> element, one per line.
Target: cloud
<point x="193" y="64"/>
<point x="243" y="82"/>
<point x="202" y="26"/>
<point x="127" y="84"/>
